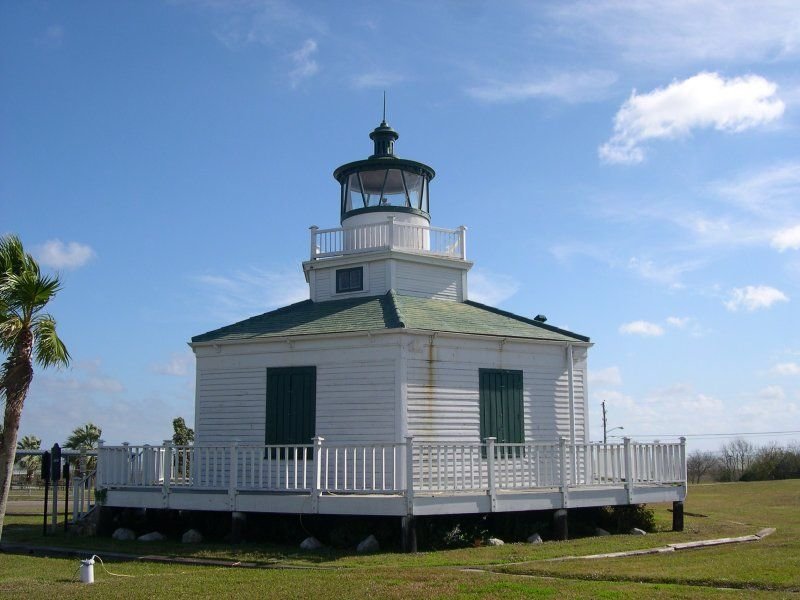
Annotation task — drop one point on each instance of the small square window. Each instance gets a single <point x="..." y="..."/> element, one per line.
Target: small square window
<point x="350" y="280"/>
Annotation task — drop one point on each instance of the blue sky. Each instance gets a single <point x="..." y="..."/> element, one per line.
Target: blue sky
<point x="629" y="169"/>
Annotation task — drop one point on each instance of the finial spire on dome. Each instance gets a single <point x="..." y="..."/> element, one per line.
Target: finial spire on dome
<point x="384" y="137"/>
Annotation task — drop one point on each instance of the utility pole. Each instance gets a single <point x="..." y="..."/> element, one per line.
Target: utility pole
<point x="605" y="433"/>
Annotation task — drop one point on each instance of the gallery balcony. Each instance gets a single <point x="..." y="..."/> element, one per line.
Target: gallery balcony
<point x="389" y="235"/>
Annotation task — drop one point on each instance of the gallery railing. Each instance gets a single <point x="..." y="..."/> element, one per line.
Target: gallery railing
<point x="386" y="468"/>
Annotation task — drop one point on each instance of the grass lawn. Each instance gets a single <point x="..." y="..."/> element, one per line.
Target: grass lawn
<point x="766" y="568"/>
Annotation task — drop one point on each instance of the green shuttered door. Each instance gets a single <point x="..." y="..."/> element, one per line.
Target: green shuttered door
<point x="291" y="405"/>
<point x="501" y="408"/>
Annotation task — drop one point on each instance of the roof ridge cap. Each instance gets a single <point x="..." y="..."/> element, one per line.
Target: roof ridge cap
<point x="392" y="294"/>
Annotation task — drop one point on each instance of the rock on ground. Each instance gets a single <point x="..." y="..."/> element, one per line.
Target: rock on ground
<point x="310" y="543"/>
<point x="637" y="531"/>
<point x="192" y="537"/>
<point x="535" y="539"/>
<point x="493" y="541"/>
<point x="123" y="534"/>
<point x="600" y="531"/>
<point x="153" y="536"/>
<point x="368" y="545"/>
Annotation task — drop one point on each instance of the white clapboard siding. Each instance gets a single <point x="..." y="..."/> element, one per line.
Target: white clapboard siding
<point x="356" y="393"/>
<point x="443" y="394"/>
<point x="428" y="281"/>
<point x="374" y="281"/>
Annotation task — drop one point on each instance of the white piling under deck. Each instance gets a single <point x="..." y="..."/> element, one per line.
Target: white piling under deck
<point x="402" y="479"/>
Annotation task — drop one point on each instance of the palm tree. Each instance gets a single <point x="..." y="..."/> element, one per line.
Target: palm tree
<point x="27" y="335"/>
<point x="31" y="463"/>
<point x="85" y="438"/>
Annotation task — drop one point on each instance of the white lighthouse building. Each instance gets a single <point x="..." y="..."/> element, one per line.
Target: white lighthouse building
<point x="388" y="391"/>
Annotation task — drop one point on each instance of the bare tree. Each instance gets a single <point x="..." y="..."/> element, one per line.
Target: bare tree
<point x="736" y="457"/>
<point x="699" y="464"/>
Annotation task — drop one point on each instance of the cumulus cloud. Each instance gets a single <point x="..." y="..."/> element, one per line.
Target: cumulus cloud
<point x="569" y="87"/>
<point x="787" y="368"/>
<point x="678" y="322"/>
<point x="787" y="239"/>
<point x="608" y="376"/>
<point x="491" y="288"/>
<point x="754" y="297"/>
<point x="703" y="101"/>
<point x="244" y="293"/>
<point x="644" y="328"/>
<point x="176" y="366"/>
<point x="58" y="255"/>
<point x="304" y="64"/>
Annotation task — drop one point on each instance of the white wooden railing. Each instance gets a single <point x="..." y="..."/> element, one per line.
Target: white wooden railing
<point x="83" y="501"/>
<point x="386" y="468"/>
<point x="390" y="235"/>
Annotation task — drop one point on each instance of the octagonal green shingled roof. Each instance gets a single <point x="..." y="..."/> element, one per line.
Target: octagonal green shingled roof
<point x="389" y="311"/>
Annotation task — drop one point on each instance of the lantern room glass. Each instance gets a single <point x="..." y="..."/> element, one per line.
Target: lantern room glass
<point x="385" y="187"/>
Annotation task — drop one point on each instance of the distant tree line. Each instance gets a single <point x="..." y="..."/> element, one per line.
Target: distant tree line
<point x="740" y="460"/>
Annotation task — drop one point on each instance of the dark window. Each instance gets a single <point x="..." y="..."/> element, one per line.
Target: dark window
<point x="291" y="406"/>
<point x="350" y="280"/>
<point x="501" y="409"/>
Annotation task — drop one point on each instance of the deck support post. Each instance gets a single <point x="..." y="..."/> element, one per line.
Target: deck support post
<point x="409" y="475"/>
<point x="316" y="490"/>
<point x="233" y="476"/>
<point x="238" y="522"/>
<point x="166" y="471"/>
<point x="560" y="525"/>
<point x="629" y="474"/>
<point x="562" y="456"/>
<point x="491" y="472"/>
<point x="408" y="530"/>
<point x="677" y="515"/>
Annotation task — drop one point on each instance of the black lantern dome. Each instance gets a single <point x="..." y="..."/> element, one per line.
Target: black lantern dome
<point x="384" y="182"/>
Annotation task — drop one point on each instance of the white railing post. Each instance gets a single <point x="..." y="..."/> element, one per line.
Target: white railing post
<point x="684" y="474"/>
<point x="316" y="486"/>
<point x="102" y="463"/>
<point x="390" y="234"/>
<point x="166" y="470"/>
<point x="628" y="457"/>
<point x="233" y="475"/>
<point x="492" y="476"/>
<point x="409" y="474"/>
<point x="127" y="467"/>
<point x="562" y="457"/>
<point x="313" y="229"/>
<point x="462" y="235"/>
<point x="147" y="457"/>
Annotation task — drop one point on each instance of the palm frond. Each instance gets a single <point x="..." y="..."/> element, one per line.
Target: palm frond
<point x="49" y="349"/>
<point x="10" y="326"/>
<point x="29" y="291"/>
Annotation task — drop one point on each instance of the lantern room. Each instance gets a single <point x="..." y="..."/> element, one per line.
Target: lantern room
<point x="384" y="183"/>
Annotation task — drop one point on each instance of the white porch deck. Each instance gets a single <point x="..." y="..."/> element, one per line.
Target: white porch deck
<point x="401" y="479"/>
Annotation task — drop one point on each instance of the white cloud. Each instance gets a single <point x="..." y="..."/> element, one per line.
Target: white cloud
<point x="569" y="87"/>
<point x="58" y="255"/>
<point x="787" y="239"/>
<point x="607" y="376"/>
<point x="754" y="297"/>
<point x="665" y="273"/>
<point x="52" y="37"/>
<point x="654" y="32"/>
<point x="678" y="322"/>
<point x="231" y="298"/>
<point x="641" y="328"/>
<point x="376" y="79"/>
<point x="304" y="64"/>
<point x="491" y="288"/>
<point x="176" y="366"/>
<point x="772" y="392"/>
<point x="788" y="368"/>
<point x="706" y="100"/>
